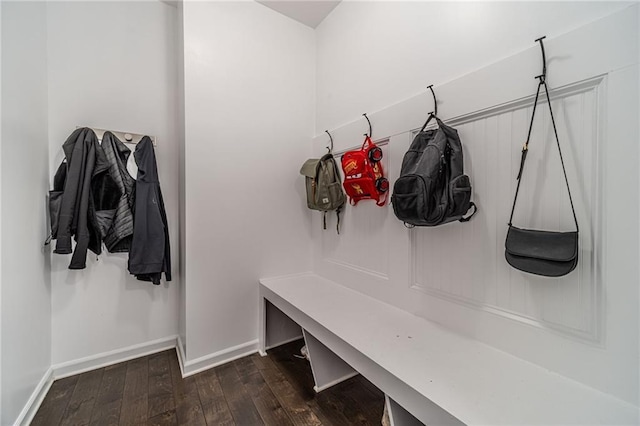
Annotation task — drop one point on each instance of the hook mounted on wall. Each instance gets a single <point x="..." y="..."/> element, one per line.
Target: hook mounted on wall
<point x="370" y="129"/>
<point x="435" y="101"/>
<point x="544" y="59"/>
<point x="330" y="147"/>
<point x="433" y="113"/>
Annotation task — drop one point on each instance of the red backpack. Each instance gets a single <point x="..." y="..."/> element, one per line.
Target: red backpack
<point x="364" y="175"/>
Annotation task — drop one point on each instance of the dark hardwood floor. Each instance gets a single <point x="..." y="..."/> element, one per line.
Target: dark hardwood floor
<point x="272" y="390"/>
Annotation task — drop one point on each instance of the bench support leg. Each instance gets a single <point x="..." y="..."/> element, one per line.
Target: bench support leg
<point x="276" y="328"/>
<point x="328" y="369"/>
<point x="398" y="416"/>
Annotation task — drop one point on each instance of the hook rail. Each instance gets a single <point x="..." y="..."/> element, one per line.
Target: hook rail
<point x="126" y="137"/>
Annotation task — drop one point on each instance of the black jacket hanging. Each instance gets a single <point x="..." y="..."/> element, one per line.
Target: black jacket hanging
<point x="85" y="160"/>
<point x="150" y="253"/>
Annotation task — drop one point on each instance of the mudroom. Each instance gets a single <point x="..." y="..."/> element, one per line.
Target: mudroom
<point x="260" y="212"/>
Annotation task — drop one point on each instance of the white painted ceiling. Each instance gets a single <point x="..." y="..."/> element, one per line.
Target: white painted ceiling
<point x="309" y="12"/>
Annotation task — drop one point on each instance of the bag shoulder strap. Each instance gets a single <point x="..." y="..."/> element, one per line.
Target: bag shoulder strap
<point x="336" y="170"/>
<point x="367" y="142"/>
<point x="525" y="150"/>
<point x="426" y="123"/>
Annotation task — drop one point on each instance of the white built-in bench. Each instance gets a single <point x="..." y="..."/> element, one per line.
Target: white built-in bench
<point x="428" y="373"/>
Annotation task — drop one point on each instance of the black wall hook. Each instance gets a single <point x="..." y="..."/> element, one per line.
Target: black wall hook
<point x="370" y="134"/>
<point x="433" y="113"/>
<point x="435" y="101"/>
<point x="544" y="58"/>
<point x="330" y="147"/>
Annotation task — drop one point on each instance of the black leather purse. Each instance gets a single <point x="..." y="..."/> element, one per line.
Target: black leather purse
<point x="551" y="254"/>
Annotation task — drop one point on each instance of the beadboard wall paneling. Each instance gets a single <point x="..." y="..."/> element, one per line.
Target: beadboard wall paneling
<point x="492" y="154"/>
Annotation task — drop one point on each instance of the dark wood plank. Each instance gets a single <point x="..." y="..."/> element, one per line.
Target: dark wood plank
<point x="293" y="403"/>
<point x="168" y="418"/>
<point x="106" y="410"/>
<point x="188" y="408"/>
<point x="185" y="394"/>
<point x="135" y="399"/>
<point x="55" y="402"/>
<point x="370" y="399"/>
<point x="242" y="408"/>
<point x="245" y="366"/>
<point x="81" y="404"/>
<point x="298" y="372"/>
<point x="329" y="409"/>
<point x="268" y="406"/>
<point x="214" y="404"/>
<point x="262" y="362"/>
<point x="331" y="406"/>
<point x="160" y="385"/>
<point x="351" y="409"/>
<point x="370" y="386"/>
<point x="270" y="409"/>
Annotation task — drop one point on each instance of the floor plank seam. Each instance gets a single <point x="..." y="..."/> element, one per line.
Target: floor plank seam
<point x="256" y="398"/>
<point x="95" y="398"/>
<point x="201" y="404"/>
<point x="282" y="403"/>
<point x="121" y="400"/>
<point x="66" y="406"/>
<point x="275" y="366"/>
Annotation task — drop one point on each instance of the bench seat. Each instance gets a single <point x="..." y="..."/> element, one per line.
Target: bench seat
<point x="438" y="376"/>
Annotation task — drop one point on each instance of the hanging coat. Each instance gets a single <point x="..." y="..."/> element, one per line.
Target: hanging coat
<point x="85" y="160"/>
<point x="113" y="196"/>
<point x="149" y="255"/>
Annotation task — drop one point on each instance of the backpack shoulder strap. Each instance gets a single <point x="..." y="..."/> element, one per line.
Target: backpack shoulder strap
<point x="475" y="210"/>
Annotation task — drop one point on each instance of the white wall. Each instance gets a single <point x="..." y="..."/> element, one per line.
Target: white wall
<point x="113" y="65"/>
<point x="181" y="171"/>
<point x="585" y="325"/>
<point x="374" y="54"/>
<point x="249" y="104"/>
<point x="0" y="207"/>
<point x="26" y="307"/>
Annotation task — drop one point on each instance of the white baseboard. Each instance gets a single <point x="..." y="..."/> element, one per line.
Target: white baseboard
<point x="31" y="407"/>
<point x="104" y="359"/>
<point x="218" y="358"/>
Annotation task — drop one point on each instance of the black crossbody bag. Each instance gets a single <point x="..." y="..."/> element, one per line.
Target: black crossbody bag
<point x="551" y="254"/>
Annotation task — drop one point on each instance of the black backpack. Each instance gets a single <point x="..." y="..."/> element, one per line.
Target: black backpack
<point x="432" y="188"/>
